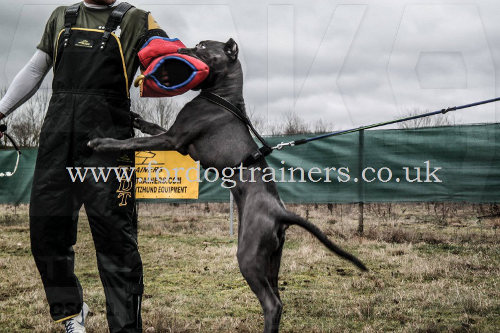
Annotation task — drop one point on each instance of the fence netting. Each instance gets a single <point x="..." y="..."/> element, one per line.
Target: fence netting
<point x="443" y="164"/>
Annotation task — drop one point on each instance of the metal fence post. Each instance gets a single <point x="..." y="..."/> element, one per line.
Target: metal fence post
<point x="231" y="213"/>
<point x="361" y="193"/>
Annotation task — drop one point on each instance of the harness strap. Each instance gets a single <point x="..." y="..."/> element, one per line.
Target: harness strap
<point x="216" y="99"/>
<point x="255" y="156"/>
<point x="114" y="20"/>
<point x="70" y="16"/>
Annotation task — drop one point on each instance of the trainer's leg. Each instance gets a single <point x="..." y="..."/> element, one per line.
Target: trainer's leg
<point x="110" y="207"/>
<point x="53" y="229"/>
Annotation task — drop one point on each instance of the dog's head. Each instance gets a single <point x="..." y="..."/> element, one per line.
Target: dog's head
<point x="220" y="57"/>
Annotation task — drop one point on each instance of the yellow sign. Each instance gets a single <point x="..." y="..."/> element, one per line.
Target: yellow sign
<point x="166" y="175"/>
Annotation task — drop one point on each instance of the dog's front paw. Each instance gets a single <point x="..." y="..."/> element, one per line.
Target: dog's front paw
<point x="147" y="127"/>
<point x="101" y="145"/>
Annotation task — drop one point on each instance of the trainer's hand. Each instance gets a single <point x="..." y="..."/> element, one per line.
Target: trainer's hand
<point x="4" y="127"/>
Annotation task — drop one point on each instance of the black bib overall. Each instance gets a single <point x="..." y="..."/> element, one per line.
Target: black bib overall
<point x="90" y="100"/>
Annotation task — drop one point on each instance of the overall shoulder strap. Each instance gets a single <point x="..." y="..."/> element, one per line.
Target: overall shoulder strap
<point x="114" y="20"/>
<point x="70" y="16"/>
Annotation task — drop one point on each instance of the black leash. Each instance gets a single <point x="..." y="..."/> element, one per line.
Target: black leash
<point x="266" y="149"/>
<point x="263" y="151"/>
<point x="357" y="129"/>
<point x="3" y="130"/>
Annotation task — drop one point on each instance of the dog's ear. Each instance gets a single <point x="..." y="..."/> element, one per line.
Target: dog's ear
<point x="231" y="49"/>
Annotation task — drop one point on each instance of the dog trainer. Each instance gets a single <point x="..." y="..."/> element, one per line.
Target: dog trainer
<point x="92" y="48"/>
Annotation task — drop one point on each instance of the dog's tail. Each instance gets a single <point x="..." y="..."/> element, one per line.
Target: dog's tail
<point x="292" y="219"/>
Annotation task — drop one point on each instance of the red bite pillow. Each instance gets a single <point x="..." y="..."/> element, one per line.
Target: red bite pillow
<point x="158" y="56"/>
<point x="156" y="47"/>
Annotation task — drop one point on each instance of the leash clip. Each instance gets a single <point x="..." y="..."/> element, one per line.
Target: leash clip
<point x="281" y="145"/>
<point x="444" y="111"/>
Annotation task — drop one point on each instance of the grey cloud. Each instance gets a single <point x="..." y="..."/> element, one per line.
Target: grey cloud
<point x="347" y="63"/>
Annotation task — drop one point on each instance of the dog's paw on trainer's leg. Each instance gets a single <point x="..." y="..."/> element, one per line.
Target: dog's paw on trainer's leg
<point x="101" y="145"/>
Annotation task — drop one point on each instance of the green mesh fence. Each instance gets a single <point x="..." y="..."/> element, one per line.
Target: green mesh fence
<point x="446" y="164"/>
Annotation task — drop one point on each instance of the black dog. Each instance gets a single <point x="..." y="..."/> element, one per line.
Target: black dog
<point x="216" y="138"/>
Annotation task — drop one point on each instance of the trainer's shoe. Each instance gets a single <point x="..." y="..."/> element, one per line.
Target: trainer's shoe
<point x="77" y="324"/>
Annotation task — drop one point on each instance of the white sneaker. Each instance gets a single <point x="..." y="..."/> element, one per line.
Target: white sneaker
<point x="77" y="324"/>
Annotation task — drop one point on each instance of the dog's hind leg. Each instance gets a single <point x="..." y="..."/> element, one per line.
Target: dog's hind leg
<point x="272" y="277"/>
<point x="255" y="264"/>
<point x="275" y="263"/>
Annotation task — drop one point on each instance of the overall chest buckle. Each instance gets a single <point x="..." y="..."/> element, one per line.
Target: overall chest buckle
<point x="70" y="17"/>
<point x="114" y="20"/>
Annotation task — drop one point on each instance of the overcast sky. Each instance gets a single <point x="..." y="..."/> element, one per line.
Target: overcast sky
<point x="346" y="62"/>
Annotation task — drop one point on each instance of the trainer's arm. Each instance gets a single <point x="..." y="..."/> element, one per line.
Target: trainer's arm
<point x="26" y="83"/>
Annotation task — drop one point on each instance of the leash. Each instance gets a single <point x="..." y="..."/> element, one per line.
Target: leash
<point x="266" y="149"/>
<point x="3" y="130"/>
<point x="263" y="151"/>
<point x="357" y="129"/>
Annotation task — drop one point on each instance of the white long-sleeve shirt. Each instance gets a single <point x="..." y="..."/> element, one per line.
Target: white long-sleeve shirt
<point x="26" y="82"/>
<point x="29" y="79"/>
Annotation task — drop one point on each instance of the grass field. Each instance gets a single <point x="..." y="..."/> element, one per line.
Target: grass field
<point x="434" y="268"/>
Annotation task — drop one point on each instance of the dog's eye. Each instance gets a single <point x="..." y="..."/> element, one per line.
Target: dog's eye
<point x="202" y="46"/>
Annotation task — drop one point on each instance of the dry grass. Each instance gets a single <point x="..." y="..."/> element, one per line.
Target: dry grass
<point x="434" y="268"/>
